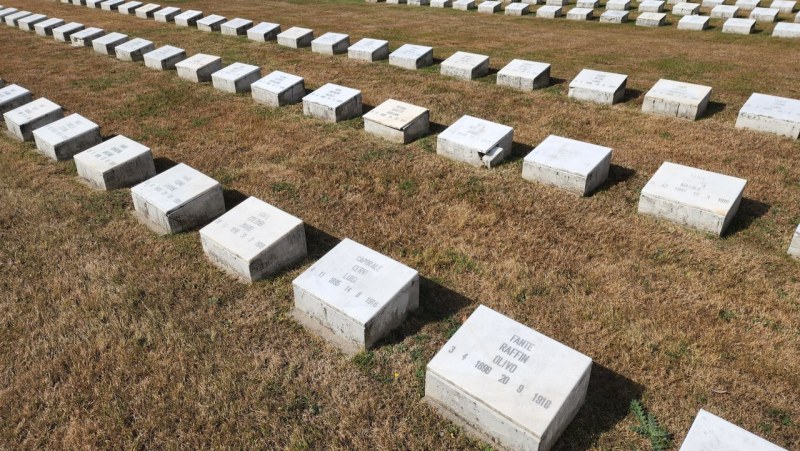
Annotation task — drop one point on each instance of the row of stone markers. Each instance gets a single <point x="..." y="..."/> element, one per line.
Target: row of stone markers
<point x="651" y="12"/>
<point x="492" y="370"/>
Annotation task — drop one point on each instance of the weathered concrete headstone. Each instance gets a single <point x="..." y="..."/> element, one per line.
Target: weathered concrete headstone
<point x="476" y="141"/>
<point x="369" y="50"/>
<point x="711" y="433"/>
<point x="118" y="163"/>
<point x="517" y="9"/>
<point x="465" y="66"/>
<point x="178" y="199"/>
<point x="279" y="89"/>
<point x="354" y="296"/>
<point x="685" y="9"/>
<point x="524" y="75"/>
<point x="550" y="12"/>
<point x="651" y="20"/>
<point x="129" y="8"/>
<point x="333" y="103"/>
<point x="46" y="27"/>
<point x="188" y="18"/>
<point x="464" y="5"/>
<point x="13" y="96"/>
<point x="739" y="26"/>
<point x="198" y="68"/>
<point x="12" y="20"/>
<point x="398" y="121"/>
<point x="594" y="4"/>
<point x="696" y="23"/>
<point x="254" y="240"/>
<point x="410" y="56"/>
<point x="489" y="7"/>
<point x="27" y="23"/>
<point x="771" y="114"/>
<point x="615" y="16"/>
<point x="236" y="27"/>
<point x="296" y="37"/>
<point x="794" y="246"/>
<point x="79" y="2"/>
<point x="599" y="87"/>
<point x="396" y="2"/>
<point x="7" y="12"/>
<point x="618" y="5"/>
<point x="710" y="4"/>
<point x="263" y="32"/>
<point x="64" y="33"/>
<point x="418" y="2"/>
<point x="64" y="138"/>
<point x="236" y="78"/>
<point x="166" y="14"/>
<point x="766" y="15"/>
<point x="111" y="5"/>
<point x="94" y="4"/>
<point x="105" y="45"/>
<point x="507" y="383"/>
<point x="748" y="4"/>
<point x="164" y="58"/>
<point x="677" y="99"/>
<point x="556" y="2"/>
<point x="331" y="44"/>
<point x="147" y="11"/>
<point x="572" y="165"/>
<point x="786" y="30"/>
<point x="23" y="120"/>
<point x="724" y="11"/>
<point x="441" y="4"/>
<point x="85" y="37"/>
<point x="784" y="6"/>
<point x="134" y="49"/>
<point x="693" y="197"/>
<point x="211" y="23"/>
<point x="580" y="14"/>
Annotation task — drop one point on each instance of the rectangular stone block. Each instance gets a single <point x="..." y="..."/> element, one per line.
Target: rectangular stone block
<point x="614" y="16"/>
<point x="587" y="4"/>
<point x="549" y="12"/>
<point x="418" y="2"/>
<point x="164" y="58"/>
<point x="369" y="50"/>
<point x="331" y="44"/>
<point x="739" y="26"/>
<point x="85" y="37"/>
<point x="79" y="2"/>
<point x="556" y="2"/>
<point x="211" y="23"/>
<point x="118" y="163"/>
<point x="188" y="18"/>
<point x="464" y="5"/>
<point x="465" y="66"/>
<point x="64" y="33"/>
<point x="506" y="383"/>
<point x="786" y="30"/>
<point x="134" y="49"/>
<point x="476" y="141"/>
<point x="489" y="7"/>
<point x="279" y="89"/>
<point x="710" y="4"/>
<point x="441" y="4"/>
<point x="198" y="68"/>
<point x="166" y="14"/>
<point x="580" y="14"/>
<point x="517" y="9"/>
<point x="64" y="138"/>
<point x="111" y="5"/>
<point x="94" y="4"/>
<point x="333" y="103"/>
<point x="677" y="99"/>
<point x="651" y="20"/>
<point x="263" y="32"/>
<point x="618" y="5"/>
<point x="771" y="114"/>
<point x="236" y="78"/>
<point x="13" y="96"/>
<point x="179" y="199"/>
<point x="236" y="27"/>
<point x="254" y="240"/>
<point x="599" y="87"/>
<point x="7" y="12"/>
<point x="724" y="12"/>
<point x="397" y="121"/>
<point x="784" y="6"/>
<point x="396" y="2"/>
<point x="354" y="296"/>
<point x="12" y="20"/>
<point x="129" y="8"/>
<point x="748" y="4"/>
<point x="23" y="120"/>
<point x="572" y="165"/>
<point x="767" y="15"/>
<point x="794" y="246"/>
<point x="410" y="56"/>
<point x="685" y="9"/>
<point x="147" y="11"/>
<point x="46" y="27"/>
<point x="27" y="23"/>
<point x="692" y="197"/>
<point x="106" y="45"/>
<point x="296" y="37"/>
<point x="710" y="432"/>
<point x="524" y="75"/>
<point x="695" y="23"/>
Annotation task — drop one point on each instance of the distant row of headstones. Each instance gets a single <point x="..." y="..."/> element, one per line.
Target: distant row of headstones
<point x="500" y="379"/>
<point x="651" y="12"/>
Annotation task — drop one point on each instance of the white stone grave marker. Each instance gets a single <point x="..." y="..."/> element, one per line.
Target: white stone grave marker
<point x="64" y="33"/>
<point x="710" y="4"/>
<point x="85" y="37"/>
<point x="489" y="7"/>
<point x="464" y="5"/>
<point x="517" y="9"/>
<point x="117" y="163"/>
<point x="333" y="103"/>
<point x="45" y="28"/>
<point x="398" y="121"/>
<point x="105" y="45"/>
<point x="476" y="141"/>
<point x="580" y="14"/>
<point x="331" y="44"/>
<point x="211" y="23"/>
<point x="94" y="4"/>
<point x="677" y="99"/>
<point x="111" y="5"/>
<point x="441" y="3"/>
<point x="766" y="15"/>
<point x="695" y="23"/>
<point x="711" y="433"/>
<point x="556" y="2"/>
<point x="147" y="11"/>
<point x="771" y="114"/>
<point x="524" y="75"/>
<point x="572" y="165"/>
<point x="236" y="78"/>
<point x="27" y="23"/>
<point x="7" y="12"/>
<point x="129" y="8"/>
<point x="794" y="246"/>
<point x="64" y="138"/>
<point x="550" y="12"/>
<point x="748" y="4"/>
<point x="263" y="32"/>
<point x="685" y="9"/>
<point x="23" y="120"/>
<point x="236" y="27"/>
<point x="13" y="96"/>
<point x="724" y="12"/>
<point x="296" y="37"/>
<point x="651" y="6"/>
<point x="188" y="18"/>
<point x="465" y="66"/>
<point x="594" y="4"/>
<point x="12" y="20"/>
<point x="739" y="26"/>
<point x="615" y="16"/>
<point x="618" y="5"/>
<point x="418" y="2"/>
<point x="599" y="87"/>
<point x="410" y="56"/>
<point x="784" y="6"/>
<point x="198" y="68"/>
<point x="279" y="89"/>
<point x="166" y="14"/>
<point x="651" y="20"/>
<point x="134" y="49"/>
<point x="164" y="58"/>
<point x="786" y="30"/>
<point x="369" y="50"/>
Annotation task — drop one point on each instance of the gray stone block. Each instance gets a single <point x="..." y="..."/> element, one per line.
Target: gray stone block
<point x="236" y="27"/>
<point x="333" y="103"/>
<point x="476" y="141"/>
<point x="771" y="114"/>
<point x="695" y="23"/>
<point x="166" y="14"/>
<point x="441" y="4"/>
<point x="524" y="75"/>
<point x="236" y="78"/>
<point x="45" y="28"/>
<point x="580" y="14"/>
<point x="198" y="68"/>
<point x="724" y="12"/>
<point x="786" y="30"/>
<point x="739" y="26"/>
<point x="188" y="18"/>
<point x="615" y="17"/>
<point x="23" y="120"/>
<point x="489" y="7"/>
<point x="105" y="45"/>
<point x="397" y="121"/>
<point x="410" y="56"/>
<point x="651" y="20"/>
<point x="331" y="44"/>
<point x="784" y="6"/>
<point x="550" y="12"/>
<point x="296" y="37"/>
<point x="599" y="87"/>
<point x="369" y="50"/>
<point x="766" y="15"/>
<point x="64" y="33"/>
<point x="464" y="5"/>
<point x="12" y="20"/>
<point x="263" y="32"/>
<point x="164" y="58"/>
<point x="134" y="49"/>
<point x="518" y="9"/>
<point x="618" y="5"/>
<point x="677" y="99"/>
<point x="111" y="5"/>
<point x="13" y="96"/>
<point x="84" y="38"/>
<point x="710" y="432"/>
<point x="685" y="9"/>
<point x="27" y="23"/>
<point x="279" y="89"/>
<point x="211" y="23"/>
<point x="147" y="11"/>
<point x="465" y="66"/>
<point x="129" y="8"/>
<point x="117" y="163"/>
<point x="571" y="165"/>
<point x="64" y="138"/>
<point x="794" y="246"/>
<point x="7" y="12"/>
<point x="651" y="6"/>
<point x="748" y="4"/>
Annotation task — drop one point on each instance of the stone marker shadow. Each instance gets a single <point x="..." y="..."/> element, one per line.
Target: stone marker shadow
<point x="631" y="95"/>
<point x="616" y="175"/>
<point x="555" y="81"/>
<point x="318" y="243"/>
<point x="518" y="152"/>
<point x="749" y="211"/>
<point x="712" y="109"/>
<point x="163" y="163"/>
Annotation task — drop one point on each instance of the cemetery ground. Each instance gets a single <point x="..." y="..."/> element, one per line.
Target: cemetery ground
<point x="114" y="337"/>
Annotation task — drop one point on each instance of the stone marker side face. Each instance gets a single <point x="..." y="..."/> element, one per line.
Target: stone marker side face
<point x="134" y="49"/>
<point x="166" y="14"/>
<point x="369" y="50"/>
<point x="677" y="99"/>
<point x="397" y="121"/>
<point x="465" y="66"/>
<point x="411" y="57"/>
<point x="279" y="89"/>
<point x="569" y="164"/>
<point x="66" y="137"/>
<point x="296" y="37"/>
<point x="333" y="103"/>
<point x="65" y="32"/>
<point x="147" y="11"/>
<point x="188" y="18"/>
<point x="85" y="37"/>
<point x="117" y="163"/>
<point x="263" y="32"/>
<point x="771" y="114"/>
<point x="46" y="28"/>
<point x="236" y="78"/>
<point x="199" y="68"/>
<point x="236" y="27"/>
<point x="23" y="120"/>
<point x="475" y="141"/>
<point x="710" y="432"/>
<point x="599" y="87"/>
<point x="524" y="75"/>
<point x="12" y="97"/>
<point x="164" y="58"/>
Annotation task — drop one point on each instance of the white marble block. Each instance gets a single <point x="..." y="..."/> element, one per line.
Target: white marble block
<point x="147" y="11"/>
<point x="517" y="9"/>
<point x="580" y="14"/>
<point x="64" y="138"/>
<point x="105" y="45"/>
<point x="211" y="23"/>
<point x="111" y="5"/>
<point x="279" y="89"/>
<point x="465" y="66"/>
<point x="398" y="121"/>
<point x="333" y="103"/>
<point x="786" y="30"/>
<point x="164" y="58"/>
<point x="575" y="166"/>
<point x="179" y="199"/>
<point x="94" y="4"/>
<point x="618" y="5"/>
<point x="476" y="141"/>
<point x="693" y="197"/>
<point x="410" y="56"/>
<point x="236" y="27"/>
<point x="524" y="75"/>
<point x="506" y="383"/>
<point x="166" y="14"/>
<point x="236" y="78"/>
<point x="784" y="6"/>
<point x="393" y="2"/>
<point x="614" y="16"/>
<point x="45" y="28"/>
<point x="767" y="15"/>
<point x="78" y="2"/>
<point x="188" y="18"/>
<point x="117" y="163"/>
<point x="354" y="296"/>
<point x="599" y="87"/>
<point x="711" y="433"/>
<point x="263" y="32"/>
<point x="64" y="33"/>
<point x="739" y="26"/>
<point x="198" y="68"/>
<point x="724" y="12"/>
<point x="331" y="44"/>
<point x="418" y="2"/>
<point x="748" y="4"/>
<point x="651" y="20"/>
<point x="27" y="23"/>
<point x="254" y="240"/>
<point x="13" y="96"/>
<point x="556" y="2"/>
<point x="464" y="5"/>
<point x="771" y="114"/>
<point x="12" y="20"/>
<point x="685" y="9"/>
<point x="134" y="49"/>
<point x="85" y="37"/>
<point x="129" y="8"/>
<point x="296" y="37"/>
<point x="550" y="12"/>
<point x="794" y="246"/>
<point x="369" y="50"/>
<point x="7" y="12"/>
<point x="489" y="7"/>
<point x="677" y="99"/>
<point x="594" y="4"/>
<point x="695" y="23"/>
<point x="710" y="4"/>
<point x="23" y="120"/>
<point x="441" y="3"/>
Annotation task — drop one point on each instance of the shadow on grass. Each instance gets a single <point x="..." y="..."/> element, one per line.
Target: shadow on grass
<point x="631" y="95"/>
<point x="556" y="82"/>
<point x="749" y="211"/>
<point x="318" y="242"/>
<point x="518" y="152"/>
<point x="233" y="198"/>
<point x="163" y="163"/>
<point x="616" y="175"/>
<point x="714" y="108"/>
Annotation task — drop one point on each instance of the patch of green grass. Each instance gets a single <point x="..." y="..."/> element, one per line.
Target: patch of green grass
<point x="408" y="187"/>
<point x="726" y="315"/>
<point x="648" y="427"/>
<point x="284" y="187"/>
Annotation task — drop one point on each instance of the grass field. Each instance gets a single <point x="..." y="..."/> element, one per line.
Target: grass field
<point x="113" y="337"/>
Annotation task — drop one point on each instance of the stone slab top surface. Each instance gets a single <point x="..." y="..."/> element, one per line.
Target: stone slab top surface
<point x="465" y="60"/>
<point x="332" y="95"/>
<point x="277" y="81"/>
<point x="238" y="22"/>
<point x="395" y="114"/>
<point x="568" y="155"/>
<point x="711" y="433"/>
<point x="212" y="19"/>
<point x="331" y="38"/>
<point x="110" y="38"/>
<point x="189" y="14"/>
<point x="11" y="91"/>
<point x="174" y="187"/>
<point x="476" y="133"/>
<point x="368" y="45"/>
<point x="694" y="187"/>
<point x="772" y="106"/>
<point x="198" y="61"/>
<point x="134" y="44"/>
<point x="523" y="68"/>
<point x="165" y="52"/>
<point x="296" y="32"/>
<point x="598" y="81"/>
<point x="411" y="51"/>
<point x="235" y="71"/>
<point x="616" y="13"/>
<point x="111" y="153"/>
<point x="264" y="27"/>
<point x="695" y="19"/>
<point x="652" y="16"/>
<point x="31" y="110"/>
<point x="678" y="91"/>
<point x="65" y="128"/>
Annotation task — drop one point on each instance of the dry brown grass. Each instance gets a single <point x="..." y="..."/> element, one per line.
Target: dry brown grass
<point x="113" y="337"/>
